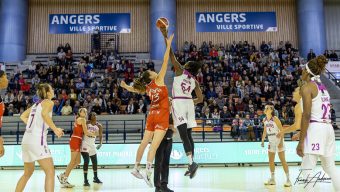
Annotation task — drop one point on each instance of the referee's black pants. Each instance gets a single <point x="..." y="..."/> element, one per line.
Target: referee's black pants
<point x="162" y="160"/>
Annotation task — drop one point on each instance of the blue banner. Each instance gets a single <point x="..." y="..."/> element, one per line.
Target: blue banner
<point x="235" y="21"/>
<point x="88" y="23"/>
<point x="207" y="153"/>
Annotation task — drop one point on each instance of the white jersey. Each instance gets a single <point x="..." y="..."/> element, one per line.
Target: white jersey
<point x="272" y="130"/>
<point x="91" y="128"/>
<point x="320" y="138"/>
<point x="89" y="143"/>
<point x="36" y="128"/>
<point x="183" y="85"/>
<point x="320" y="111"/>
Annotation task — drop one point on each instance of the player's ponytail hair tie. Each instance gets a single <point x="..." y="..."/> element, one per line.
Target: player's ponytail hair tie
<point x="314" y="77"/>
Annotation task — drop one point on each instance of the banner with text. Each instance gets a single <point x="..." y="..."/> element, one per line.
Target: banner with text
<point x="206" y="153"/>
<point x="89" y="23"/>
<point x="235" y="21"/>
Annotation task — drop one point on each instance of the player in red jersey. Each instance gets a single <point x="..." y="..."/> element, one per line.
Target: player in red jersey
<point x="80" y="128"/>
<point x="157" y="122"/>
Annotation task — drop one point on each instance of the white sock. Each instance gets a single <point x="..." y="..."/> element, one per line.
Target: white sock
<point x="287" y="175"/>
<point x="273" y="176"/>
<point x="190" y="159"/>
<point x="148" y="166"/>
<point x="137" y="166"/>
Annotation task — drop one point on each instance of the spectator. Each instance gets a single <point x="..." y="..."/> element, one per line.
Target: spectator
<point x="96" y="108"/>
<point x="333" y="56"/>
<point x="248" y="125"/>
<point x="235" y="130"/>
<point x="25" y="87"/>
<point x="131" y="108"/>
<point x="311" y="55"/>
<point x="66" y="109"/>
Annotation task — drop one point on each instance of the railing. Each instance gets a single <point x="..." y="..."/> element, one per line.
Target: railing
<point x="110" y="127"/>
<point x="121" y="131"/>
<point x="333" y="78"/>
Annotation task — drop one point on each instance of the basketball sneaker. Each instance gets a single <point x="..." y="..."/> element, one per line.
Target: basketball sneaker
<point x="192" y="169"/>
<point x="271" y="181"/>
<point x="135" y="172"/>
<point x="288" y="184"/>
<point x="187" y="173"/>
<point x="86" y="183"/>
<point x="67" y="185"/>
<point x="62" y="178"/>
<point x="147" y="177"/>
<point x="96" y="180"/>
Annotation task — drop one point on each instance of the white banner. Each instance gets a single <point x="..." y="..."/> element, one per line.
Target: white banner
<point x="333" y="66"/>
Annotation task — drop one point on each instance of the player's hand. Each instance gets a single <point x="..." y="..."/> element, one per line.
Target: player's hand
<point x="169" y="40"/>
<point x="59" y="132"/>
<point x="123" y="84"/>
<point x="299" y="149"/>
<point x="296" y="137"/>
<point x="99" y="146"/>
<point x="262" y="144"/>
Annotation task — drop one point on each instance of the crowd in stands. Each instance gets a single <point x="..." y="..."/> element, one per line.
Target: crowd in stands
<point x="236" y="79"/>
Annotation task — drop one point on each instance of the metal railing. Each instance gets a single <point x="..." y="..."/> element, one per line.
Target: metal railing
<point x="135" y="129"/>
<point x="333" y="78"/>
<point x="123" y="127"/>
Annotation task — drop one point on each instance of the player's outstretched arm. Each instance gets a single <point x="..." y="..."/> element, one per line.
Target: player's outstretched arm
<point x="130" y="88"/>
<point x="178" y="67"/>
<point x="162" y="72"/>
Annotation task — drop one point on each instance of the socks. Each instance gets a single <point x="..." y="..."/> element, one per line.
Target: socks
<point x="287" y="175"/>
<point x="95" y="174"/>
<point x="137" y="166"/>
<point x="148" y="166"/>
<point x="85" y="176"/>
<point x="273" y="175"/>
<point x="190" y="159"/>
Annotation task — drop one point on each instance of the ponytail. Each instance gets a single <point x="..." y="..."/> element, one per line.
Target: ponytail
<point x="141" y="82"/>
<point x="42" y="90"/>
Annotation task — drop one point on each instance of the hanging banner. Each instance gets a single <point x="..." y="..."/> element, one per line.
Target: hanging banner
<point x="235" y="21"/>
<point x="89" y="23"/>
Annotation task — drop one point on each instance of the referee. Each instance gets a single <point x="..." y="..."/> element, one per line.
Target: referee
<point x="162" y="160"/>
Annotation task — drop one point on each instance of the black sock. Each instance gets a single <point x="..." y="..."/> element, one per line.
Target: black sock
<point x="95" y="174"/>
<point x="85" y="176"/>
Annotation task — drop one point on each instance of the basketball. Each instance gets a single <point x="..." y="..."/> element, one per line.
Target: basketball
<point x="162" y="23"/>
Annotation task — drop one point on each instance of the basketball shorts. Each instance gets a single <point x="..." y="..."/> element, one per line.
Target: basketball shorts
<point x="32" y="152"/>
<point x="75" y="144"/>
<point x="320" y="140"/>
<point x="183" y="111"/>
<point x="157" y="121"/>
<point x="89" y="148"/>
<point x="273" y="147"/>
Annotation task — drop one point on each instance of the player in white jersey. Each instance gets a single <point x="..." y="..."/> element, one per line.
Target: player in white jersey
<point x="317" y="138"/>
<point x="183" y="109"/>
<point x="38" y="119"/>
<point x="89" y="149"/>
<point x="272" y="126"/>
<point x="297" y="114"/>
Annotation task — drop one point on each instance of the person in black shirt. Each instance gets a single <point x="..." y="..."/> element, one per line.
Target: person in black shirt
<point x="162" y="160"/>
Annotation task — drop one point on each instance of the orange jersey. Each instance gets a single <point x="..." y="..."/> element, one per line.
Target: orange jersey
<point x="159" y="98"/>
<point x="77" y="131"/>
<point x="158" y="117"/>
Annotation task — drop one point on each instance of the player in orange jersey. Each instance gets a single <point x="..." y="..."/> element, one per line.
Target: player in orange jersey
<point x="157" y="122"/>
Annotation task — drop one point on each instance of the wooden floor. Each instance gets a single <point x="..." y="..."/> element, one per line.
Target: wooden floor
<point x="208" y="179"/>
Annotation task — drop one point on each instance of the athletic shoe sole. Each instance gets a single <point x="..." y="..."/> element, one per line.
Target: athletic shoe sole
<point x="147" y="181"/>
<point x="137" y="174"/>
